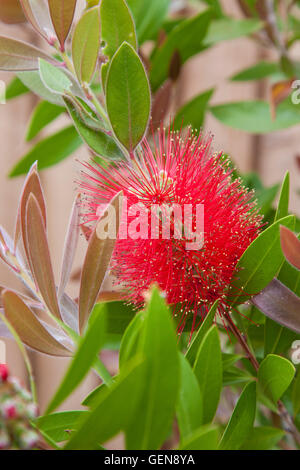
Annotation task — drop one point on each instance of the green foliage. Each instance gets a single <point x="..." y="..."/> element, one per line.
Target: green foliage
<point x="274" y="376"/>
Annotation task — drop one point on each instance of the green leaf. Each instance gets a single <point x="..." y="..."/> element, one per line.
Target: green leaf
<point x="241" y="421"/>
<point x="260" y="263"/>
<point x="53" y="78"/>
<point x="15" y="88"/>
<point x="17" y="55"/>
<point x="33" y="82"/>
<point x="130" y="340"/>
<point x="86" y="45"/>
<point x="263" y="438"/>
<point x="187" y="38"/>
<point x="189" y="408"/>
<point x="154" y="415"/>
<point x="229" y="28"/>
<point x="59" y="425"/>
<point x="296" y="394"/>
<point x="205" y="438"/>
<point x="208" y="370"/>
<point x="112" y="413"/>
<point x="62" y="14"/>
<point x="257" y="72"/>
<point x="117" y="27"/>
<point x="128" y="97"/>
<point x="49" y="151"/>
<point x="255" y="116"/>
<point x="98" y="141"/>
<point x="229" y="360"/>
<point x="43" y="114"/>
<point x="193" y="112"/>
<point x="283" y="204"/>
<point x="274" y="376"/>
<point x="205" y="326"/>
<point x="148" y="16"/>
<point x="88" y="348"/>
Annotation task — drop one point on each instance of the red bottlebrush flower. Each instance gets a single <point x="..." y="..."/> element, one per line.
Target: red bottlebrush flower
<point x="182" y="172"/>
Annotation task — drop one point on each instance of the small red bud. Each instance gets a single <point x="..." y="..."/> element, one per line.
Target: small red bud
<point x="3" y="373"/>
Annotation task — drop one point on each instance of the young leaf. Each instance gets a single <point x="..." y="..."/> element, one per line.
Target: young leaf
<point x="97" y="140"/>
<point x="117" y="27"/>
<point x="128" y="97"/>
<point x="263" y="438"/>
<point x="149" y="17"/>
<point x="97" y="259"/>
<point x="290" y="246"/>
<point x="54" y="78"/>
<point x="208" y="370"/>
<point x="283" y="204"/>
<point x="49" y="151"/>
<point x="70" y="246"/>
<point x="59" y="425"/>
<point x="187" y="38"/>
<point x="39" y="255"/>
<point x="205" y="326"/>
<point x="189" y="408"/>
<point x="204" y="438"/>
<point x="112" y="413"/>
<point x="260" y="263"/>
<point x="193" y="113"/>
<point x="274" y="376"/>
<point x="17" y="55"/>
<point x="86" y="45"/>
<point x="153" y="417"/>
<point x="280" y="304"/>
<point x="37" y="13"/>
<point x="88" y="348"/>
<point x="241" y="421"/>
<point x="28" y="327"/>
<point x="43" y="114"/>
<point x="62" y="14"/>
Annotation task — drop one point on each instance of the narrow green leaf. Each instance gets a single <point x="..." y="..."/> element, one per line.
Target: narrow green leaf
<point x="86" y="45"/>
<point x="88" y="348"/>
<point x="260" y="262"/>
<point x="205" y="438"/>
<point x="228" y="28"/>
<point x="274" y="376"/>
<point x="130" y="340"/>
<point x="15" y="88"/>
<point x="189" y="408"/>
<point x="49" y="151"/>
<point x="62" y="13"/>
<point x="43" y="114"/>
<point x="257" y="72"/>
<point x="98" y="141"/>
<point x="117" y="27"/>
<point x="242" y="419"/>
<point x="255" y="116"/>
<point x="205" y="326"/>
<point x="193" y="113"/>
<point x="154" y="415"/>
<point x="128" y="97"/>
<point x="187" y="38"/>
<point x="208" y="370"/>
<point x="54" y="78"/>
<point x="58" y="426"/>
<point x="112" y="413"/>
<point x="263" y="438"/>
<point x="149" y="17"/>
<point x="283" y="204"/>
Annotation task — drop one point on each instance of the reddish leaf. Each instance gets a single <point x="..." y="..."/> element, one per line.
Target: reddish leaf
<point x="36" y="12"/>
<point x="28" y="327"/>
<point x="290" y="246"/>
<point x="280" y="304"/>
<point x="70" y="247"/>
<point x="62" y="14"/>
<point x="19" y="56"/>
<point x="96" y="263"/>
<point x="279" y="92"/>
<point x="39" y="255"/>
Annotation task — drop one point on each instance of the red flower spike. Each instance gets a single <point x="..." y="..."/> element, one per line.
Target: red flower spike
<point x="3" y="373"/>
<point x="181" y="171"/>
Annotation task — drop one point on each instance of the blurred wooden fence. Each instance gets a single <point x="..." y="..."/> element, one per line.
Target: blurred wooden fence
<point x="272" y="155"/>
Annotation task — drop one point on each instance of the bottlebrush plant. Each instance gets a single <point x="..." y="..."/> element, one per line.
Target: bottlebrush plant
<point x="199" y="331"/>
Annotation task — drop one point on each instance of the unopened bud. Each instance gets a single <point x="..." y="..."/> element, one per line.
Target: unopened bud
<point x="3" y="373"/>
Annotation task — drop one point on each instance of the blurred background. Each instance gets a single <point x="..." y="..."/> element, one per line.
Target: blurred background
<point x="270" y="155"/>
